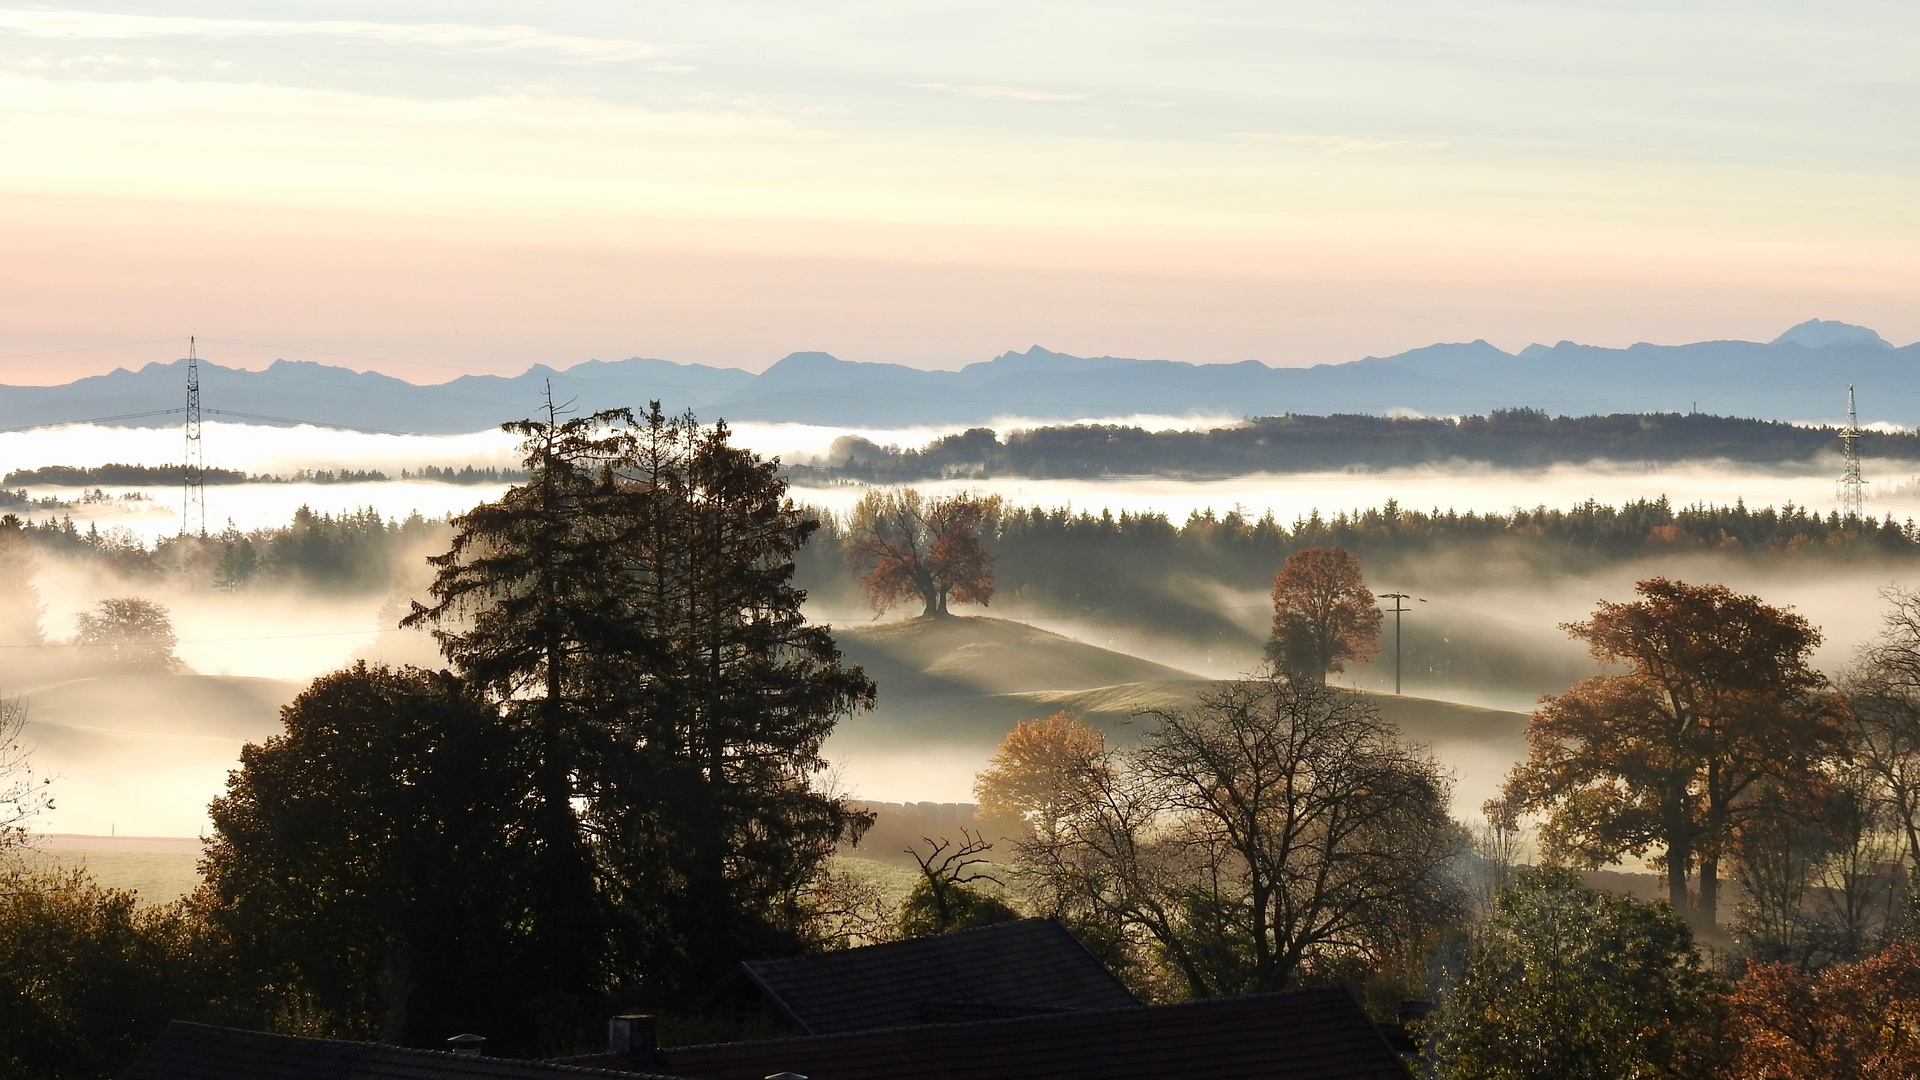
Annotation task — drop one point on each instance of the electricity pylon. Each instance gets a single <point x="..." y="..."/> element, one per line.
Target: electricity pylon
<point x="194" y="508"/>
<point x="1853" y="494"/>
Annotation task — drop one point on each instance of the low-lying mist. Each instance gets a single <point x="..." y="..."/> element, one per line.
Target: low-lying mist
<point x="145" y="753"/>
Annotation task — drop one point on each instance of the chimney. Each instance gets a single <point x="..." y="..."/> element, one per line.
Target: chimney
<point x="467" y="1045"/>
<point x="634" y="1035"/>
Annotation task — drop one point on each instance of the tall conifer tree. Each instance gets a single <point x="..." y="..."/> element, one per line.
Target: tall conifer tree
<point x="633" y="605"/>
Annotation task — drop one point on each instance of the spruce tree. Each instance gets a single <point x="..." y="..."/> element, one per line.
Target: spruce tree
<point x="632" y="609"/>
<point x="527" y="605"/>
<point x="734" y="694"/>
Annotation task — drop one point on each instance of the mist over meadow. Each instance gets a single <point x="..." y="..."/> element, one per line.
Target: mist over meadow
<point x="144" y="754"/>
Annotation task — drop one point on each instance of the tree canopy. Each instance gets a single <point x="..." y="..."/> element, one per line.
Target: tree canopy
<point x="1323" y="615"/>
<point x="1570" y="983"/>
<point x="1276" y="829"/>
<point x="373" y="855"/>
<point x="907" y="546"/>
<point x="1718" y="696"/>
<point x="631" y="730"/>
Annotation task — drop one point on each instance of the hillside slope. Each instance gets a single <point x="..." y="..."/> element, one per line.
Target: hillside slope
<point x="143" y="754"/>
<point x="972" y="654"/>
<point x="950" y="690"/>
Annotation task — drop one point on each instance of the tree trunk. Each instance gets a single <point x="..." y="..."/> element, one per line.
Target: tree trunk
<point x="1710" y="888"/>
<point x="1677" y="876"/>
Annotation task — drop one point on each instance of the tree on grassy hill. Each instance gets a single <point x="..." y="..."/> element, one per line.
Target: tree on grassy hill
<point x="129" y="632"/>
<point x="906" y="546"/>
<point x="1718" y="698"/>
<point x="1570" y="983"/>
<point x="1323" y="614"/>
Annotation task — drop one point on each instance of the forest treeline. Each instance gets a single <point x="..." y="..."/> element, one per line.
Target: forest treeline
<point x="164" y="475"/>
<point x="1145" y="567"/>
<point x="357" y="550"/>
<point x="1512" y="438"/>
<point x="1105" y="563"/>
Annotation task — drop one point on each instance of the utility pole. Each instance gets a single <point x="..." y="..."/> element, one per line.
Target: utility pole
<point x="1853" y="497"/>
<point x="1398" y="599"/>
<point x="195" y="501"/>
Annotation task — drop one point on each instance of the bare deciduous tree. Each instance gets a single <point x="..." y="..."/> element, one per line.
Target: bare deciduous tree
<point x="1883" y="691"/>
<point x="945" y="898"/>
<point x="22" y="797"/>
<point x="1277" y="825"/>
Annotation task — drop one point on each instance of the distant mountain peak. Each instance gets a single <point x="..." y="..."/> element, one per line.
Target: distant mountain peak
<point x="1820" y="333"/>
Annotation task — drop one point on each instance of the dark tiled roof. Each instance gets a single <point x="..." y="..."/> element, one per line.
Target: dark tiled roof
<point x="1028" y="966"/>
<point x="1319" y="1034"/>
<point x="198" y="1052"/>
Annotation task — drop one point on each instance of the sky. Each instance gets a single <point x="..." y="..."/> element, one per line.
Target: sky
<point x="429" y="188"/>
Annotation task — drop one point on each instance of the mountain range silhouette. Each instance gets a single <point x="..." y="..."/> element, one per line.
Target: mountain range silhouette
<point x="1802" y="375"/>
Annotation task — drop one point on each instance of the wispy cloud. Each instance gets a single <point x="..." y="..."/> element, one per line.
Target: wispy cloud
<point x="1336" y="144"/>
<point x="1014" y="92"/>
<point x="95" y="26"/>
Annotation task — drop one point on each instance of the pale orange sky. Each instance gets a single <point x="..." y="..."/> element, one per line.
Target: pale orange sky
<point x="726" y="183"/>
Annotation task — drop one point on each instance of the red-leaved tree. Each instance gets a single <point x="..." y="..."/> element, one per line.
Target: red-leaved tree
<point x="1857" y="1021"/>
<point x="1323" y="614"/>
<point x="906" y="546"/>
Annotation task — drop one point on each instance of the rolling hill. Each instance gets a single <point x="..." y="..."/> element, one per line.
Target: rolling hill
<point x="143" y="754"/>
<point x="950" y="690"/>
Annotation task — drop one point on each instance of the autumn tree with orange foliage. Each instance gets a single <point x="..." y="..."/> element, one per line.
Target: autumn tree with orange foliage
<point x="1323" y="614"/>
<point x="1858" y="1021"/>
<point x="1718" y="698"/>
<point x="1040" y="772"/>
<point x="906" y="546"/>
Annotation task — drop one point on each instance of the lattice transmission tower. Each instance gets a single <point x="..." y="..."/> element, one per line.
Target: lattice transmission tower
<point x="193" y="512"/>
<point x="1853" y="490"/>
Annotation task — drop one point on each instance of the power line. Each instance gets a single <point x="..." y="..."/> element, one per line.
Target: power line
<point x="87" y="348"/>
<point x="1398" y="609"/>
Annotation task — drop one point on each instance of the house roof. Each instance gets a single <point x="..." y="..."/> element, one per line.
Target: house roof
<point x="200" y="1052"/>
<point x="1008" y="969"/>
<point x="1317" y="1034"/>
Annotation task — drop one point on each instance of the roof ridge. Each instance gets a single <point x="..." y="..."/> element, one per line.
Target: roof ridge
<point x="250" y="1035"/>
<point x="931" y="941"/>
<point x="1062" y="1016"/>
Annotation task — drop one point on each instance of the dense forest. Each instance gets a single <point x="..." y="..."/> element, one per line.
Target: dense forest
<point x="1146" y="569"/>
<point x="174" y="475"/>
<point x="1105" y="563"/>
<point x="1511" y="438"/>
<point x="359" y="551"/>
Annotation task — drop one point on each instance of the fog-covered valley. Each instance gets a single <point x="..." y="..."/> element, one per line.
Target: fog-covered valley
<point x="144" y="754"/>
